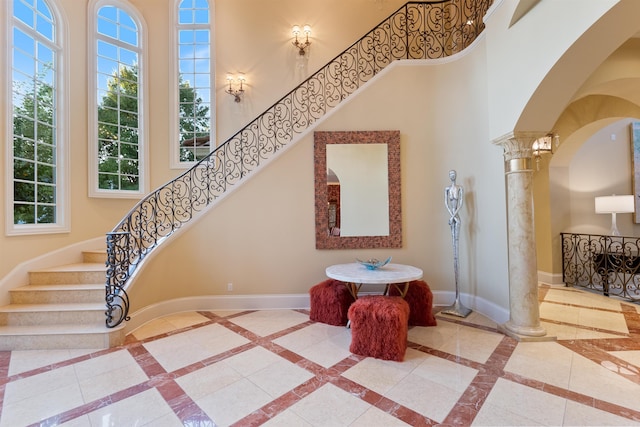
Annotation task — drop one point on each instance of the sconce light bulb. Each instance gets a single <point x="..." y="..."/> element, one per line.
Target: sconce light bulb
<point x="301" y="46"/>
<point x="236" y="93"/>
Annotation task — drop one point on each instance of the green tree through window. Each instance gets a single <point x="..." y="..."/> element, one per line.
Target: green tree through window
<point x="118" y="154"/>
<point x="34" y="56"/>
<point x="34" y="163"/>
<point x="194" y="120"/>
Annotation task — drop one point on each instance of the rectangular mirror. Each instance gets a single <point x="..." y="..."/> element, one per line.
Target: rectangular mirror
<point x="357" y="186"/>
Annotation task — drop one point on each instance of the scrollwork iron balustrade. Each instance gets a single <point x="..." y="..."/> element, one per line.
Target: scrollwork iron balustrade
<point x="607" y="264"/>
<point x="417" y="30"/>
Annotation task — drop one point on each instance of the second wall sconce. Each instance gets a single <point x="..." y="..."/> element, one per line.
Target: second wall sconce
<point x="237" y="90"/>
<point x="301" y="46"/>
<point x="544" y="145"/>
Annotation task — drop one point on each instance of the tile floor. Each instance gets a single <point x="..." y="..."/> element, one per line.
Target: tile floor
<point x="277" y="368"/>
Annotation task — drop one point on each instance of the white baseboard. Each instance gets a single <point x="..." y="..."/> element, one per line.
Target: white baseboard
<point x="550" y="278"/>
<point x="286" y="301"/>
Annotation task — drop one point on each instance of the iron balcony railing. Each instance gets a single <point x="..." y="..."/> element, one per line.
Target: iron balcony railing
<point x="607" y="264"/>
<point x="417" y="30"/>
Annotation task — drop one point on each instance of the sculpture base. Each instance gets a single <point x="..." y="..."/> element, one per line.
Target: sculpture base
<point x="457" y="309"/>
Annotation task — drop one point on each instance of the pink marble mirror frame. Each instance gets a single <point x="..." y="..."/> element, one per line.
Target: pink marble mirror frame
<point x="323" y="239"/>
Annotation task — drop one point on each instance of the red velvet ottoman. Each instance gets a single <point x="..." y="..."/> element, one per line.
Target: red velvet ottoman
<point x="379" y="326"/>
<point x="420" y="301"/>
<point x="330" y="301"/>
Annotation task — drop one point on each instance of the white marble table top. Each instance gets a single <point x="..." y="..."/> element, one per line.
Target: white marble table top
<point x="358" y="273"/>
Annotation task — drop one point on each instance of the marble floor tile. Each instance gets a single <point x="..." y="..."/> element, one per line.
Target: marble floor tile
<point x="535" y="406"/>
<point x="277" y="368"/>
<point x="267" y="322"/>
<point x="233" y="402"/>
<point x="458" y="340"/>
<point x="577" y="298"/>
<point x="424" y="396"/>
<point x="631" y="356"/>
<point x="26" y="360"/>
<point x="325" y="345"/>
<point x="40" y="406"/>
<point x="168" y="323"/>
<point x="577" y="414"/>
<point x="286" y="419"/>
<point x="208" y="380"/>
<point x="330" y="406"/>
<point x="280" y="377"/>
<point x="144" y="409"/>
<point x="603" y="320"/>
<point x="547" y="362"/>
<point x="597" y="380"/>
<point x="560" y="313"/>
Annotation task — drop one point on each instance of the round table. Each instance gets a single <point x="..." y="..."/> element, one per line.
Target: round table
<point x="355" y="275"/>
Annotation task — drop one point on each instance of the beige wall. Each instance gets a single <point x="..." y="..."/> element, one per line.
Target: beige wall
<point x="547" y="55"/>
<point x="251" y="36"/>
<point x="262" y="239"/>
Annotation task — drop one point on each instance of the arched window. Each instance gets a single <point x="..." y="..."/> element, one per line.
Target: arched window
<point x="36" y="173"/>
<point x="192" y="134"/>
<point x="117" y="110"/>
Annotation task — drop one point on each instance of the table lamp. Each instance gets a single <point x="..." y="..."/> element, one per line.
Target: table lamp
<point x="615" y="205"/>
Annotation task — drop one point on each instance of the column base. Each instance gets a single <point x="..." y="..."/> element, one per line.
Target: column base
<point x="525" y="333"/>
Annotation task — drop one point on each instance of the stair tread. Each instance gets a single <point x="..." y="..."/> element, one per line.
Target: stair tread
<point x="61" y="287"/>
<point x="81" y="266"/>
<point x="52" y="307"/>
<point x="57" y="329"/>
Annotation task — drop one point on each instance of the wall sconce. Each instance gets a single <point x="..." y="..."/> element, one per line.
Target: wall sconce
<point x="544" y="145"/>
<point x="236" y="93"/>
<point x="615" y="205"/>
<point x="301" y="46"/>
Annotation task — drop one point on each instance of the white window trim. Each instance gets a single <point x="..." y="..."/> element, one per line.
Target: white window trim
<point x="63" y="204"/>
<point x="92" y="111"/>
<point x="174" y="110"/>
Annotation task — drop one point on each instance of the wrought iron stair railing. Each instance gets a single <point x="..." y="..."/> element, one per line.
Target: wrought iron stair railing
<point x="607" y="264"/>
<point x="417" y="30"/>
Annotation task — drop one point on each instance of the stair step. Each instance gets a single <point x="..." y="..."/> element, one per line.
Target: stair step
<point x="62" y="307"/>
<point x="97" y="256"/>
<point x="21" y="308"/>
<point x="71" y="274"/>
<point x="50" y="314"/>
<point x="58" y="293"/>
<point x="62" y="336"/>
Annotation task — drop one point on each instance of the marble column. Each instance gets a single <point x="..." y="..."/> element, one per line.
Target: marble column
<point x="524" y="316"/>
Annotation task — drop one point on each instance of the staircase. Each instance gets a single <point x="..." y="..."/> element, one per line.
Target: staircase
<point x="61" y="308"/>
<point x="418" y="30"/>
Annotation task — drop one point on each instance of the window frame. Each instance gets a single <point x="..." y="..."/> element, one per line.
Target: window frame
<point x="92" y="110"/>
<point x="174" y="96"/>
<point x="61" y="89"/>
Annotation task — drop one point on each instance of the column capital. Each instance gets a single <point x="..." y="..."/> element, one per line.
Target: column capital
<point x="517" y="148"/>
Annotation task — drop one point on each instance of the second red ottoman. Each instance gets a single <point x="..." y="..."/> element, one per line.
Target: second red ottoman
<point x="379" y="327"/>
<point x="420" y="300"/>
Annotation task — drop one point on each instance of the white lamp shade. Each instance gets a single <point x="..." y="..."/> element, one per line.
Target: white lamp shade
<point x="615" y="204"/>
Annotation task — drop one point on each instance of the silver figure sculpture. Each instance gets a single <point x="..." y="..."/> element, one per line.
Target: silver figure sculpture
<point x="453" y="198"/>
